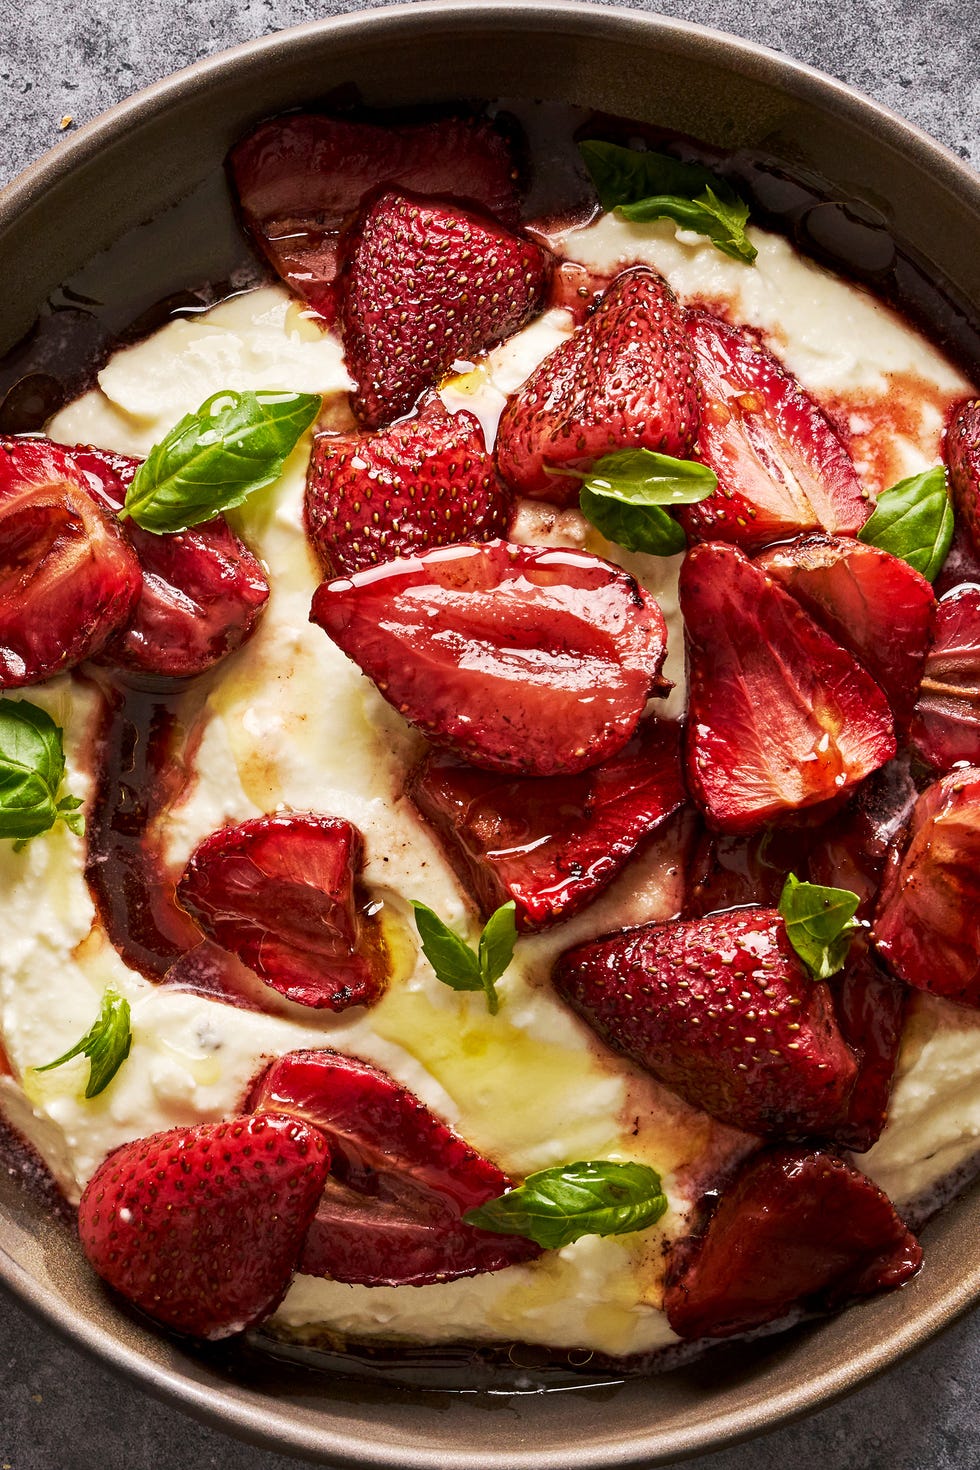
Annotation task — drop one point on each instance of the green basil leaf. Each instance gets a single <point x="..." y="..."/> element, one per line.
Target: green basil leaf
<point x="496" y="950"/>
<point x="557" y="1206"/>
<point x="625" y="495"/>
<point x="914" y="521"/>
<point x="456" y="964"/>
<point x="820" y="924"/>
<point x="106" y="1044"/>
<point x="32" y="768"/>
<point x="722" y="221"/>
<point x="212" y="460"/>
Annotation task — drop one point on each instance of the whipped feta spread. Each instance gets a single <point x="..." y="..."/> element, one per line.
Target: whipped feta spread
<point x="289" y="722"/>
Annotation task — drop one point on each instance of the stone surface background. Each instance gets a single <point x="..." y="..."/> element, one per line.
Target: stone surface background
<point x="60" y="1410"/>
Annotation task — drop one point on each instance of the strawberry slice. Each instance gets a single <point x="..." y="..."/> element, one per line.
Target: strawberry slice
<point x="927" y="925"/>
<point x="721" y="1010"/>
<point x="962" y="453"/>
<point x="870" y="1009"/>
<point x="624" y="380"/>
<point x="67" y="577"/>
<point x="551" y="844"/>
<point x="424" y="284"/>
<point x="525" y="659"/>
<point x="299" y="177"/>
<point x="850" y="850"/>
<point x="400" y="1180"/>
<point x="781" y="467"/>
<point x="202" y="1227"/>
<point x="870" y="602"/>
<point x="424" y="482"/>
<point x="781" y="717"/>
<point x="281" y="893"/>
<point x="946" y="724"/>
<point x="796" y="1230"/>
<point x="728" y="872"/>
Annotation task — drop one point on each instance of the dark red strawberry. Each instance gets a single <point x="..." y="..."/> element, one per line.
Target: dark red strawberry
<point x="551" y="844"/>
<point x="962" y="452"/>
<point x="870" y="602"/>
<point x="721" y="1010"/>
<point x="927" y="925"/>
<point x="423" y="285"/>
<point x="796" y="1230"/>
<point x="424" y="482"/>
<point x="624" y="380"/>
<point x="850" y="850"/>
<point x="282" y="893"/>
<point x="517" y="658"/>
<point x="781" y="467"/>
<point x="728" y="872"/>
<point x="961" y="565"/>
<point x="68" y="578"/>
<point x="781" y="717"/>
<point x="299" y="177"/>
<point x="870" y="1008"/>
<point x="202" y="1227"/>
<point x="946" y="724"/>
<point x="400" y="1180"/>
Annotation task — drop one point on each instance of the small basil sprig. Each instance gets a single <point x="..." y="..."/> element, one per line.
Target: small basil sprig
<point x="643" y="186"/>
<point x="557" y="1206"/>
<point x="106" y="1044"/>
<point x="914" y="521"/>
<point x="820" y="924"/>
<point x="235" y="444"/>
<point x="625" y="496"/>
<point x="32" y="768"/>
<point x="456" y="964"/>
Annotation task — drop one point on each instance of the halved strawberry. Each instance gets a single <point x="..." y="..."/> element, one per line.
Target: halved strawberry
<point x="281" y="892"/>
<point x="962" y="452"/>
<point x="850" y="850"/>
<point x="526" y="659"/>
<point x="68" y="578"/>
<point x="726" y="871"/>
<point x="721" y="1010"/>
<point x="400" y="1180"/>
<point x="426" y="481"/>
<point x="870" y="602"/>
<point x="870" y="1008"/>
<point x="927" y="925"/>
<point x="796" y="1230"/>
<point x="299" y="177"/>
<point x="552" y="844"/>
<point x="202" y="1227"/>
<point x="624" y="380"/>
<point x="781" y="467"/>
<point x="946" y="724"/>
<point x="422" y="285"/>
<point x="781" y="717"/>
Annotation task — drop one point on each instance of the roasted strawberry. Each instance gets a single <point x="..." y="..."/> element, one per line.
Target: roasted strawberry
<point x="963" y="462"/>
<point x="68" y="578"/>
<point x="946" y="724"/>
<point x="400" y="1180"/>
<point x="624" y="380"/>
<point x="202" y="1227"/>
<point x="796" y="1230"/>
<point x="781" y="717"/>
<point x="849" y="851"/>
<point x="961" y="565"/>
<point x="927" y="925"/>
<point x="721" y="1010"/>
<point x="870" y="602"/>
<point x="422" y="285"/>
<point x="518" y="658"/>
<point x="299" y="177"/>
<point x="554" y="843"/>
<point x="781" y="467"/>
<point x="727" y="872"/>
<point x="870" y="1008"/>
<point x="424" y="482"/>
<point x="281" y="892"/>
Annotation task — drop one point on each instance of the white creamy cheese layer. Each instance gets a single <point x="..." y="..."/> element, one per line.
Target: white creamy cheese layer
<point x="290" y="722"/>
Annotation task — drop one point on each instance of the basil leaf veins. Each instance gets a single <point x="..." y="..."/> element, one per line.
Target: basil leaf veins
<point x="460" y="967"/>
<point x="626" y="494"/>
<point x="820" y="924"/>
<point x="914" y="521"/>
<point x="32" y="768"/>
<point x="212" y="460"/>
<point x="106" y="1044"/>
<point x="557" y="1206"/>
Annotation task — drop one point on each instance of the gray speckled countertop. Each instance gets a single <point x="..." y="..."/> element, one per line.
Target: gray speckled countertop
<point x="61" y="1411"/>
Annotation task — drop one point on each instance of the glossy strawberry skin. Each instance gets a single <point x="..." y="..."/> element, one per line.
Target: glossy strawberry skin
<point x="551" y="844"/>
<point x="522" y="659"/>
<point x="400" y="1181"/>
<point x="797" y="1229"/>
<point x="424" y="482"/>
<point x="624" y="380"/>
<point x="424" y="284"/>
<point x="281" y="892"/>
<point x="781" y="718"/>
<point x="202" y="1227"/>
<point x="781" y="467"/>
<point x="721" y="1010"/>
<point x="870" y="1007"/>
<point x="946" y="723"/>
<point x="962" y="452"/>
<point x="68" y="579"/>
